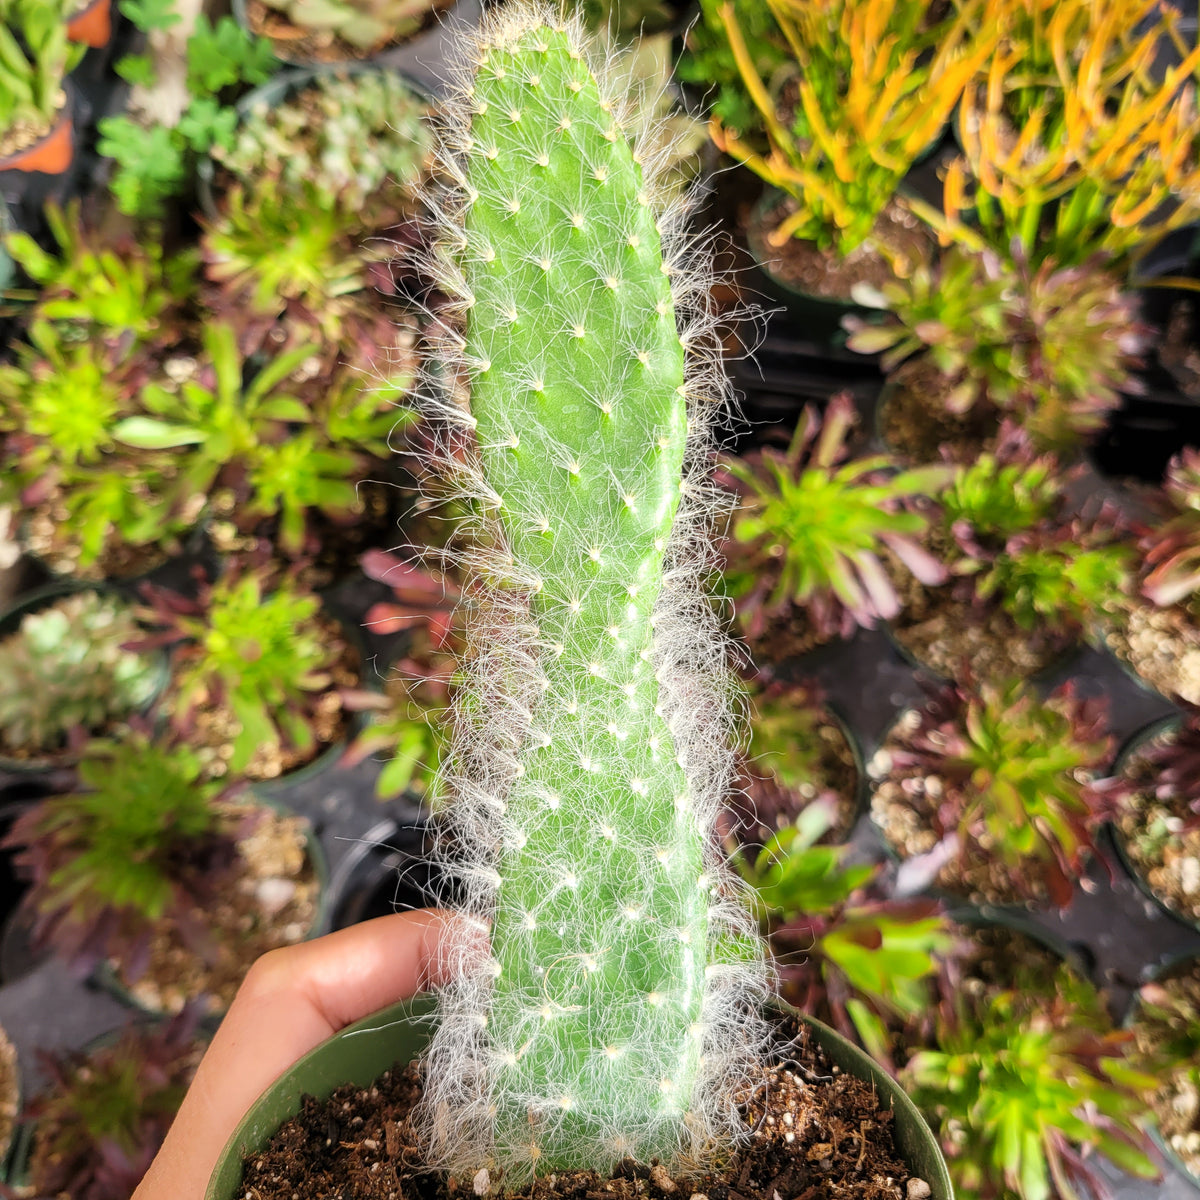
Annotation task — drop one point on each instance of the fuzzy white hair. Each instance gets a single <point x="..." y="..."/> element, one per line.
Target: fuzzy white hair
<point x="493" y="713"/>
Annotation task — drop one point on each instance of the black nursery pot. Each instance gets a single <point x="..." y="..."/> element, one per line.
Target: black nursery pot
<point x="398" y="1034"/>
<point x="818" y="317"/>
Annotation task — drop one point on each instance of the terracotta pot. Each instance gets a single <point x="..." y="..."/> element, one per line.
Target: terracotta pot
<point x="52" y="154"/>
<point x="92" y="24"/>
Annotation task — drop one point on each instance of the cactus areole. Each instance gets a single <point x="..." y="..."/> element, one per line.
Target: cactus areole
<point x="613" y="1012"/>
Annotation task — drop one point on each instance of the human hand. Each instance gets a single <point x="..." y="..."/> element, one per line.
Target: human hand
<point x="291" y="1000"/>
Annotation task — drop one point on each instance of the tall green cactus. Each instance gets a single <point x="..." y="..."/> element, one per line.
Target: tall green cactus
<point x="611" y="1015"/>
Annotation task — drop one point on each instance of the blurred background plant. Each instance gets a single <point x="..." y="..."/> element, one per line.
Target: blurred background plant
<point x="138" y="847"/>
<point x="68" y="674"/>
<point x="1026" y="1082"/>
<point x="343" y="136"/>
<point x="844" y="952"/>
<point x="1054" y="347"/>
<point x="256" y="670"/>
<point x="1073" y="143"/>
<point x="103" y="1112"/>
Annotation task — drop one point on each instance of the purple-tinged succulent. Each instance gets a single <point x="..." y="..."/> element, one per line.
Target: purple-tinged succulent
<point x="813" y="525"/>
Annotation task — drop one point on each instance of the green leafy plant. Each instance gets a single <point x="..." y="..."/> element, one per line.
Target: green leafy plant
<point x="811" y="527"/>
<point x="156" y="163"/>
<point x="289" y="459"/>
<point x="1054" y="346"/>
<point x="150" y="15"/>
<point x="587" y="763"/>
<point x="1014" y="774"/>
<point x="136" y="848"/>
<point x="872" y="83"/>
<point x="844" y="954"/>
<point x="109" y="289"/>
<point x="35" y="57"/>
<point x="1024" y="1083"/>
<point x="274" y="249"/>
<point x="66" y="671"/>
<point x="342" y="139"/>
<point x="1010" y="542"/>
<point x="364" y="24"/>
<point x="103" y="1113"/>
<point x="251" y="644"/>
<point x="63" y="406"/>
<point x="1057" y="581"/>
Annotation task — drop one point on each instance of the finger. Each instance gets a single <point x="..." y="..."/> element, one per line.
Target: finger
<point x="291" y="1001"/>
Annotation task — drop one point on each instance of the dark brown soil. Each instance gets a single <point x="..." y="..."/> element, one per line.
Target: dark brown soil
<point x="320" y="46"/>
<point x="271" y="901"/>
<point x="762" y="805"/>
<point x="47" y="534"/>
<point x="817" y="1134"/>
<point x="1163" y="646"/>
<point x="215" y="726"/>
<point x="802" y="265"/>
<point x="1151" y="823"/>
<point x="786" y="635"/>
<point x="1000" y="957"/>
<point x="955" y="636"/>
<point x="915" y="424"/>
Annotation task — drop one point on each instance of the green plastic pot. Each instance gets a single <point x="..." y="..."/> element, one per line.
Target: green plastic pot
<point x="35" y="601"/>
<point x="359" y="1053"/>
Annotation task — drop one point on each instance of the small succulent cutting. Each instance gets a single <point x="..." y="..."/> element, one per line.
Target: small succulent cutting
<point x="140" y="846"/>
<point x="845" y="952"/>
<point x="363" y="24"/>
<point x="1172" y="548"/>
<point x="1054" y="346"/>
<point x="611" y="1014"/>
<point x="812" y="527"/>
<point x="111" y="289"/>
<point x="65" y="671"/>
<point x="999" y="777"/>
<point x="348" y="137"/>
<point x="255" y="668"/>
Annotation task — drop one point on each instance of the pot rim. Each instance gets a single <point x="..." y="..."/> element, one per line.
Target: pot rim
<point x="319" y="1073"/>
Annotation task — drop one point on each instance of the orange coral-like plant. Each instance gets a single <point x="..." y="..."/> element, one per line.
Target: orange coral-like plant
<point x="874" y="85"/>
